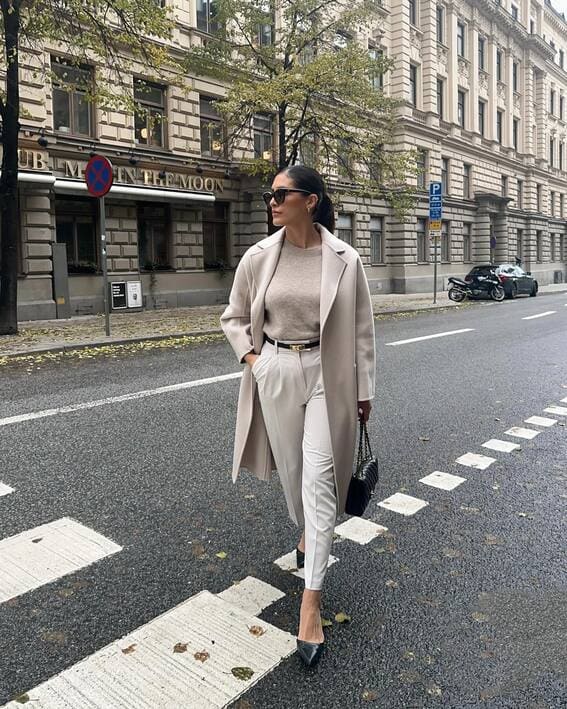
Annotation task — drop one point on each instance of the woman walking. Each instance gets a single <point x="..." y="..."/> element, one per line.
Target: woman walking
<point x="300" y="317"/>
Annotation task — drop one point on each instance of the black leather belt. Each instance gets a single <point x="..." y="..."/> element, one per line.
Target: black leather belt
<point x="294" y="348"/>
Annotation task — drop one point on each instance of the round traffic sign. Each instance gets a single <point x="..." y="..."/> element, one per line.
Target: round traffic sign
<point x="99" y="175"/>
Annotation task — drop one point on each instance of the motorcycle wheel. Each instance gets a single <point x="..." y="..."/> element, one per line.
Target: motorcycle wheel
<point x="497" y="293"/>
<point x="457" y="295"/>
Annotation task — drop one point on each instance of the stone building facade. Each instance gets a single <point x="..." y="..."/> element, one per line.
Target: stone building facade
<point x="483" y="93"/>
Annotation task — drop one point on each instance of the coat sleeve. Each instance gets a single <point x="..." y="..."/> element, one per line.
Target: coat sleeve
<point x="365" y="354"/>
<point x="235" y="321"/>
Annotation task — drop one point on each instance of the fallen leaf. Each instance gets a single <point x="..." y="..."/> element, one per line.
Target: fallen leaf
<point x="424" y="438"/>
<point x="129" y="650"/>
<point x="202" y="656"/>
<point x="65" y="592"/>
<point x="198" y="550"/>
<point x="390" y="583"/>
<point x="342" y="617"/>
<point x="36" y="541"/>
<point x="249" y="497"/>
<point x="243" y="704"/>
<point x="497" y="419"/>
<point x="433" y="690"/>
<point x="408" y="655"/>
<point x="243" y="673"/>
<point x="369" y="696"/>
<point x="180" y="647"/>
<point x="326" y="623"/>
<point x="221" y="555"/>
<point x="451" y="553"/>
<point x="480" y="617"/>
<point x="522" y="514"/>
<point x="496" y="487"/>
<point x="22" y="698"/>
<point x="54" y="636"/>
<point x="474" y="510"/>
<point x="491" y="540"/>
<point x="257" y="631"/>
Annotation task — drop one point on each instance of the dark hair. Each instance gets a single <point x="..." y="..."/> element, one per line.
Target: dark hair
<point x="305" y="178"/>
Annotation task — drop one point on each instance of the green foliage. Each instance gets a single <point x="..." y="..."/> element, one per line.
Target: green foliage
<point x="299" y="61"/>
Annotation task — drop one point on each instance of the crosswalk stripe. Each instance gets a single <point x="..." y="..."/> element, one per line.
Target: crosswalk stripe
<point x="403" y="504"/>
<point x="540" y="421"/>
<point x="475" y="460"/>
<point x="557" y="410"/>
<point x="288" y="562"/>
<point x="42" y="555"/>
<point x="443" y="481"/>
<point x="251" y="595"/>
<point x="202" y="654"/>
<point x="519" y="432"/>
<point x="359" y="530"/>
<point x="503" y="446"/>
<point x="5" y="489"/>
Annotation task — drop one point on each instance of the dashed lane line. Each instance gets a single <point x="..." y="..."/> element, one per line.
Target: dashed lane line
<point x="496" y="444"/>
<point x="519" y="432"/>
<point x="428" y="337"/>
<point x="360" y="530"/>
<point x="5" y="489"/>
<point x="202" y="654"/>
<point x="117" y="399"/>
<point x="557" y="410"/>
<point x="403" y="504"/>
<point x="442" y="481"/>
<point x="541" y="421"/>
<point x="540" y="315"/>
<point x="44" y="554"/>
<point x="475" y="460"/>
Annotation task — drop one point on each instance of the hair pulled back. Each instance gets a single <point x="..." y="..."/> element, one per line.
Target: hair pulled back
<point x="306" y="178"/>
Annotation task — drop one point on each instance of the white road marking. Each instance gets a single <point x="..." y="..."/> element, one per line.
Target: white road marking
<point x="429" y="337"/>
<point x="142" y="670"/>
<point x="504" y="446"/>
<point x="540" y="421"/>
<point x="443" y="481"/>
<point x="474" y="460"/>
<point x="288" y="562"/>
<point x="557" y="410"/>
<point x="251" y="595"/>
<point x="5" y="489"/>
<point x="540" y="315"/>
<point x="564" y="401"/>
<point x="117" y="399"/>
<point x="359" y="530"/>
<point x="41" y="555"/>
<point x="520" y="432"/>
<point x="403" y="504"/>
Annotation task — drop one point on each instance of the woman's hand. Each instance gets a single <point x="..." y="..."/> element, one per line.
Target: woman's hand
<point x="250" y="359"/>
<point x="364" y="408"/>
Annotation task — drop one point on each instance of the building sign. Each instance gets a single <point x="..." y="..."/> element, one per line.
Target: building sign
<point x="118" y="295"/>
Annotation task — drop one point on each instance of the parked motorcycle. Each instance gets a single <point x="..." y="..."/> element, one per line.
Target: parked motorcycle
<point x="481" y="286"/>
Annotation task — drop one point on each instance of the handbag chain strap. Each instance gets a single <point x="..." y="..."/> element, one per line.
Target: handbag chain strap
<point x="364" y="449"/>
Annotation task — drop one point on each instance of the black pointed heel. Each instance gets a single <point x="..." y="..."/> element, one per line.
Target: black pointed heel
<point x="310" y="653"/>
<point x="300" y="557"/>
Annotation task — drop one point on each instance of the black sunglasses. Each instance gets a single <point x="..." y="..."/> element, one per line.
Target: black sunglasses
<point x="280" y="194"/>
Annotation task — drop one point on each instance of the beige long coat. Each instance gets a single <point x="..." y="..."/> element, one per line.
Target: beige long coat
<point x="347" y="351"/>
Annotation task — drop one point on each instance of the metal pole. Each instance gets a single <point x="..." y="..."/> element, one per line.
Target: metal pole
<point x="435" y="268"/>
<point x="102" y="218"/>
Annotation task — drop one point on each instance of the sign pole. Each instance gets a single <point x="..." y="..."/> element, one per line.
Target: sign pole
<point x="435" y="216"/>
<point x="435" y="243"/>
<point x="102" y="219"/>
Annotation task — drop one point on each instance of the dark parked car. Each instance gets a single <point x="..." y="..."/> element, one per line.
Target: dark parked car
<point x="514" y="279"/>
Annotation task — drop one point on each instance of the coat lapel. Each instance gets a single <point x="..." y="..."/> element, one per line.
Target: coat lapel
<point x="332" y="269"/>
<point x="264" y="266"/>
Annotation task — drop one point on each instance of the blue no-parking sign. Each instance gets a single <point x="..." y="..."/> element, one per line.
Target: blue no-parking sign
<point x="435" y="201"/>
<point x="99" y="175"/>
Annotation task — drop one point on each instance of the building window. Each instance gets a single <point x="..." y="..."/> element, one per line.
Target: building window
<point x="445" y="242"/>
<point x="499" y="124"/>
<point x="481" y="53"/>
<point x="263" y="137"/>
<point x="440" y="23"/>
<point x="206" y="16"/>
<point x="539" y="246"/>
<point x="461" y="108"/>
<point x="520" y="194"/>
<point x="499" y="65"/>
<point x="72" y="113"/>
<point x="212" y="132"/>
<point x="561" y="107"/>
<point x="413" y="84"/>
<point x="551" y="152"/>
<point x="514" y="12"/>
<point x="481" y="117"/>
<point x="519" y="244"/>
<point x="421" y="162"/>
<point x="532" y="26"/>
<point x="467" y="182"/>
<point x="515" y="132"/>
<point x="552" y="247"/>
<point x="154" y="229"/>
<point x="422" y="243"/>
<point x="215" y="236"/>
<point x="561" y="205"/>
<point x="413" y="12"/>
<point x="440" y="98"/>
<point x="377" y="240"/>
<point x="552" y="203"/>
<point x="376" y="77"/>
<point x="460" y="39"/>
<point x="504" y="185"/>
<point x="515" y="82"/>
<point x="149" y="118"/>
<point x="75" y="226"/>
<point x="562" y="256"/>
<point x="344" y="228"/>
<point x="561" y="58"/>
<point x="538" y="198"/>
<point x="445" y="175"/>
<point x="467" y="245"/>
<point x="552" y="101"/>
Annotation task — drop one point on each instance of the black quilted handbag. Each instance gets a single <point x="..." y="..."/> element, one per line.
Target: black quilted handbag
<point x="365" y="476"/>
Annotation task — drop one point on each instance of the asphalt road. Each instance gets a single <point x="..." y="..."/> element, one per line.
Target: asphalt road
<point x="463" y="604"/>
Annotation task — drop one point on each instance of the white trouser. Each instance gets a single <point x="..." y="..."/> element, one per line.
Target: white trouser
<point x="293" y="403"/>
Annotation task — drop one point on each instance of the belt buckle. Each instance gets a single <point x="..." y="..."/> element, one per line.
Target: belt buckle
<point x="296" y="348"/>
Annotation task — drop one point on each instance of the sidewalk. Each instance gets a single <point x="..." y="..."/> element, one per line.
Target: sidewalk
<point x="40" y="336"/>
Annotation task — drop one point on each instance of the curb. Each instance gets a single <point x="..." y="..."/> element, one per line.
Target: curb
<point x="200" y="333"/>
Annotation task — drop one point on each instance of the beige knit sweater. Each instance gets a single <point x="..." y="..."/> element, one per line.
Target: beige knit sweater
<point x="293" y="297"/>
